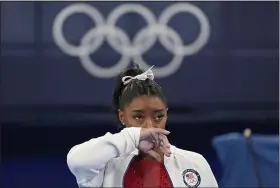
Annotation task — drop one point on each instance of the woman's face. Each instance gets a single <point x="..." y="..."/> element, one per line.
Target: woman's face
<point x="146" y="112"/>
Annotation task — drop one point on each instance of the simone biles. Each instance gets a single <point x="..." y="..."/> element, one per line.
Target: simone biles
<point x="140" y="155"/>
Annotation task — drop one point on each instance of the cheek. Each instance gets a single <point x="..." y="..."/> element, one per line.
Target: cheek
<point x="161" y="124"/>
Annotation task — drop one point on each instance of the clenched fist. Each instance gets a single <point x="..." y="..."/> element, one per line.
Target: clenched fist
<point x="151" y="138"/>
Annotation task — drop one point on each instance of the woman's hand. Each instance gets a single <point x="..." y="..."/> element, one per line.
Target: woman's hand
<point x="151" y="138"/>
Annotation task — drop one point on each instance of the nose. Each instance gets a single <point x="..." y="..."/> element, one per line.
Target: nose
<point x="148" y="123"/>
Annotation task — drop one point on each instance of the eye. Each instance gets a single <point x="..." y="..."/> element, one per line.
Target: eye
<point x="159" y="117"/>
<point x="138" y="117"/>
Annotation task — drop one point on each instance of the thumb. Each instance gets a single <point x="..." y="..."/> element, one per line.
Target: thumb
<point x="154" y="154"/>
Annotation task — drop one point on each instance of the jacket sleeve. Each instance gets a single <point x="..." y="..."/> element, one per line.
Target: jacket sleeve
<point x="209" y="180"/>
<point x="87" y="161"/>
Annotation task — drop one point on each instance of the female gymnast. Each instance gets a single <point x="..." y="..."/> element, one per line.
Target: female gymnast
<point x="140" y="155"/>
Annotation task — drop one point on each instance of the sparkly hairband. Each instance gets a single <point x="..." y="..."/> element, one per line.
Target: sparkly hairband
<point x="144" y="76"/>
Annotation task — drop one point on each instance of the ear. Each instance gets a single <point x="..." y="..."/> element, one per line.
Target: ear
<point x="121" y="116"/>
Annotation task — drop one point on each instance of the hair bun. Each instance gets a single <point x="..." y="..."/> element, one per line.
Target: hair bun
<point x="134" y="71"/>
<point x="136" y="66"/>
<point x="119" y="86"/>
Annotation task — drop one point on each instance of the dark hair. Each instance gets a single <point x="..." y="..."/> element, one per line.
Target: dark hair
<point x="124" y="94"/>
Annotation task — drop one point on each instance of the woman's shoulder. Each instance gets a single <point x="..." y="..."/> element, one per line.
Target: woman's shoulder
<point x="189" y="155"/>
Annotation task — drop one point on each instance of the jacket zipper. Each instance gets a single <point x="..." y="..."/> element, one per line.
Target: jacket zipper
<point x="127" y="169"/>
<point x="168" y="175"/>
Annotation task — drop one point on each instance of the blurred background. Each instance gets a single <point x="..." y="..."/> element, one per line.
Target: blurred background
<point x="56" y="82"/>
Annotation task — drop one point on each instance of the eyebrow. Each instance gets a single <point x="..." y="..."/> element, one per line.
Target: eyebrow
<point x="141" y="111"/>
<point x="138" y="111"/>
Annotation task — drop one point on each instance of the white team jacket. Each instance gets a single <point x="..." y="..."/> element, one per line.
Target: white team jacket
<point x="103" y="161"/>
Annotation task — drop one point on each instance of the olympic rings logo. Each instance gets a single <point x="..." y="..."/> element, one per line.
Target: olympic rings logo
<point x="120" y="42"/>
